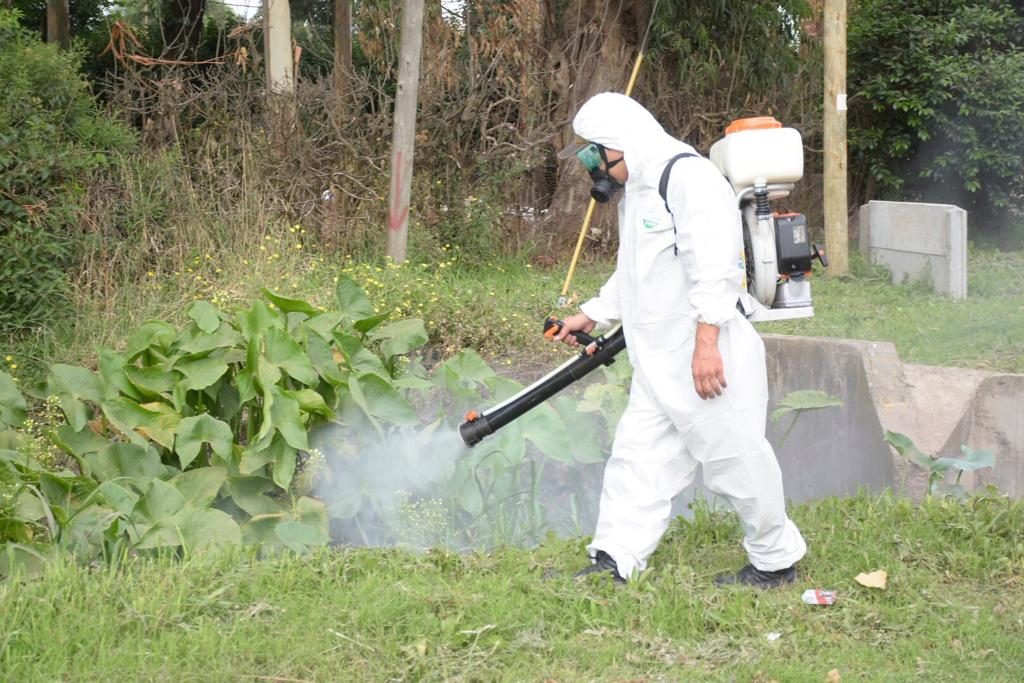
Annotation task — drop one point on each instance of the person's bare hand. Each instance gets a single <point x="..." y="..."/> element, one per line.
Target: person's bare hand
<point x="574" y="323"/>
<point x="708" y="370"/>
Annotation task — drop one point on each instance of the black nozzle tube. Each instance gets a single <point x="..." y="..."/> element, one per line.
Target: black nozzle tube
<point x="474" y="431"/>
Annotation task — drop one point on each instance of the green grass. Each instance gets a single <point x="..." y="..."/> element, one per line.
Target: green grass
<point x="951" y="611"/>
<point x="984" y="331"/>
<point x="497" y="307"/>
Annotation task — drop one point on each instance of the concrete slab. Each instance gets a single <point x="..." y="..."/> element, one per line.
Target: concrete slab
<point x="994" y="421"/>
<point x="917" y="240"/>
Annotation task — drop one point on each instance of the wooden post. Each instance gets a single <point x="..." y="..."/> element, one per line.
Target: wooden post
<point x="836" y="210"/>
<point x="342" y="46"/>
<point x="58" y="23"/>
<point x="404" y="134"/>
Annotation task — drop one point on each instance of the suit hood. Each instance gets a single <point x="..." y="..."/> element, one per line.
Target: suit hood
<point x="618" y="122"/>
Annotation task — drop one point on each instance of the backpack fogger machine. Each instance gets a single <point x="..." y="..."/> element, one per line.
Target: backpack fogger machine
<point x="763" y="162"/>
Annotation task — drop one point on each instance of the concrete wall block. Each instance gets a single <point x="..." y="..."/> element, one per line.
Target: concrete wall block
<point x="916" y="240"/>
<point x="994" y="422"/>
<point x="831" y="451"/>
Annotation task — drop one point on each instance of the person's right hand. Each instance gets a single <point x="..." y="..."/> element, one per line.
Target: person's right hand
<point x="574" y="323"/>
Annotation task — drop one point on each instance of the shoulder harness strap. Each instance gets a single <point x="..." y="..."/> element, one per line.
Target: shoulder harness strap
<point x="663" y="189"/>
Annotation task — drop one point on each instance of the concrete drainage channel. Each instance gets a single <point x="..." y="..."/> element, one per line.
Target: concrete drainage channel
<point x="836" y="451"/>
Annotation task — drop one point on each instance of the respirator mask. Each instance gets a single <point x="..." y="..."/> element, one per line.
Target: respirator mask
<point x="605" y="186"/>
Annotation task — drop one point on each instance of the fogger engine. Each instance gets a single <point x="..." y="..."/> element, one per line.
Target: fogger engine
<point x="597" y="351"/>
<point x="763" y="161"/>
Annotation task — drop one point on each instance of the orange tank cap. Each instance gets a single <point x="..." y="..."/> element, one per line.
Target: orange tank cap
<point x="753" y="123"/>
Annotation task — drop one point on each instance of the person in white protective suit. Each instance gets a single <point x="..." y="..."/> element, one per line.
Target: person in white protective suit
<point x="699" y="391"/>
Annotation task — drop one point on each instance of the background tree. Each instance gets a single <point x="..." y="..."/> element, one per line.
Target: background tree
<point x="937" y="106"/>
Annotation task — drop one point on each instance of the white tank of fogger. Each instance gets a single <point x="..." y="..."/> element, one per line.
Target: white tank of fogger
<point x="759" y="151"/>
<point x="763" y="160"/>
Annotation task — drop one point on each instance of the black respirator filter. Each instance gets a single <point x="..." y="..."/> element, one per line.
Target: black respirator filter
<point x="604" y="187"/>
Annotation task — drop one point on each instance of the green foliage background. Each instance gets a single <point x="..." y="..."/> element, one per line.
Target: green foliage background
<point x="937" y="101"/>
<point x="52" y="138"/>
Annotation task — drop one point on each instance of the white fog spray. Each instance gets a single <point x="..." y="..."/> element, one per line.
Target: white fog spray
<point x="423" y="487"/>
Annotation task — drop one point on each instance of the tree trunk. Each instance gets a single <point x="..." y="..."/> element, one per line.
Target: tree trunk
<point x="342" y="47"/>
<point x="594" y="45"/>
<point x="58" y="23"/>
<point x="404" y="134"/>
<point x="183" y="27"/>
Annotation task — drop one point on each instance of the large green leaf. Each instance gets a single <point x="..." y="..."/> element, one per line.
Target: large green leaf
<point x="359" y="358"/>
<point x="311" y="402"/>
<point x="908" y="449"/>
<point x="323" y="359"/>
<point x="12" y="403"/>
<point x="545" y="428"/>
<point x="324" y="324"/>
<point x="208" y="530"/>
<point x="155" y="421"/>
<point x="401" y="337"/>
<point x="112" y="372"/>
<point x="121" y="498"/>
<point x="200" y="486"/>
<point x="201" y="372"/>
<point x="267" y="374"/>
<point x="153" y="381"/>
<point x="289" y="305"/>
<point x="367" y="324"/>
<point x="139" y="464"/>
<point x="247" y="494"/>
<point x="352" y="300"/>
<point x="193" y="432"/>
<point x="256" y="455"/>
<point x="286" y="417"/>
<point x="154" y="333"/>
<point x="259" y="532"/>
<point x="380" y="400"/>
<point x="467" y="365"/>
<point x="78" y="443"/>
<point x="284" y="352"/>
<point x="73" y="386"/>
<point x="808" y="399"/>
<point x="258" y="319"/>
<point x="300" y="537"/>
<point x="195" y="341"/>
<point x="973" y="460"/>
<point x="160" y="501"/>
<point x="197" y="529"/>
<point x="205" y="315"/>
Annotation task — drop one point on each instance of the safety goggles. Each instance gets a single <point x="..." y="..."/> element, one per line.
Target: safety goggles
<point x="590" y="156"/>
<point x="589" y="153"/>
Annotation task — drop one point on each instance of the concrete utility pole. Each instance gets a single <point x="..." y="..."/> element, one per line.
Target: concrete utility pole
<point x="342" y="46"/>
<point x="58" y="23"/>
<point x="836" y="232"/>
<point x="280" y="71"/>
<point x="404" y="129"/>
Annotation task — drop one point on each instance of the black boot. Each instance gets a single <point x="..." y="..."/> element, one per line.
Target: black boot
<point x="752" y="576"/>
<point x="603" y="563"/>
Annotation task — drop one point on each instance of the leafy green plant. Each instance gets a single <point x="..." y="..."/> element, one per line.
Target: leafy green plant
<point x="191" y="438"/>
<point x="938" y="468"/>
<point x="799" y="402"/>
<point x="52" y="137"/>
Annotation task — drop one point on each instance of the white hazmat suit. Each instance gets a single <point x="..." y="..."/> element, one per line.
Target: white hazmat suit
<point x="675" y="270"/>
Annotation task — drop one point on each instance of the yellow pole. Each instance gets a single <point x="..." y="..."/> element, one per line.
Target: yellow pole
<point x="562" y="299"/>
